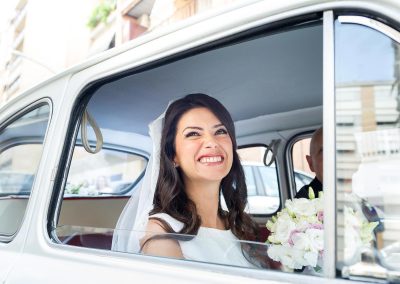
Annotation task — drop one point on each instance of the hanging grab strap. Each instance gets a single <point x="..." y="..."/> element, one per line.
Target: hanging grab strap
<point x="272" y="147"/>
<point x="87" y="118"/>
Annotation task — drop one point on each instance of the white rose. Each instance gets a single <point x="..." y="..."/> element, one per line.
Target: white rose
<point x="283" y="227"/>
<point x="316" y="238"/>
<point x="311" y="257"/>
<point x="301" y="207"/>
<point x="298" y="259"/>
<point x="289" y="257"/>
<point x="301" y="241"/>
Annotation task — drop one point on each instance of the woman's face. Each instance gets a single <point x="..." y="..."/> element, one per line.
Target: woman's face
<point x="203" y="146"/>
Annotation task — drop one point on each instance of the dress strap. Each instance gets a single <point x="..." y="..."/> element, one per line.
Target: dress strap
<point x="175" y="224"/>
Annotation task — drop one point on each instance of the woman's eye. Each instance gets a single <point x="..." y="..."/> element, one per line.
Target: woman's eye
<point x="192" y="134"/>
<point x="221" y="131"/>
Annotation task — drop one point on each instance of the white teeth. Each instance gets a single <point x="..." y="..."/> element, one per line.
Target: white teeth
<point x="211" y="159"/>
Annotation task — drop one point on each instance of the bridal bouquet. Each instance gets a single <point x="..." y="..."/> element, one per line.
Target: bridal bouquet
<point x="297" y="235"/>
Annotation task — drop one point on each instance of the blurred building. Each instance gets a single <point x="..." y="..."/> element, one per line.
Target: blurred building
<point x="45" y="37"/>
<point x="42" y="38"/>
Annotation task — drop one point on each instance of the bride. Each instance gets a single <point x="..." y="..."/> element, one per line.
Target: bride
<point x="195" y="162"/>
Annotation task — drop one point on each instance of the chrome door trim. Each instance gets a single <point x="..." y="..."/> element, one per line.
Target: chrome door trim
<point x="328" y="99"/>
<point x="373" y="24"/>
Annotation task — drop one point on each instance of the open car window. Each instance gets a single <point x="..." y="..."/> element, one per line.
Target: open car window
<point x="232" y="71"/>
<point x="263" y="193"/>
<point x="301" y="170"/>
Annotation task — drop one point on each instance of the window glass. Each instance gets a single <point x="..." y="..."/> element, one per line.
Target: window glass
<point x="368" y="144"/>
<point x="302" y="173"/>
<point x="108" y="172"/>
<point x="261" y="181"/>
<point x="21" y="144"/>
<point x="98" y="185"/>
<point x="96" y="180"/>
<point x="250" y="180"/>
<point x="222" y="248"/>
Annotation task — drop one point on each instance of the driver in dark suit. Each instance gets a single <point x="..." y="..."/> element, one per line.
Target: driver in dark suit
<point x="315" y="162"/>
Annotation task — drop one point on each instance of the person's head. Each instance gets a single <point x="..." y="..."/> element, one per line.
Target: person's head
<point x="315" y="159"/>
<point x="183" y="158"/>
<point x="200" y="139"/>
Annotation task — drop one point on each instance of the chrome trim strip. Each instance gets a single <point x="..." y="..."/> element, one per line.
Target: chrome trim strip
<point x="373" y="24"/>
<point x="329" y="144"/>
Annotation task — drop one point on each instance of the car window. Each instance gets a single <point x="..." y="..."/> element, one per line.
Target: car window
<point x="109" y="172"/>
<point x="302" y="173"/>
<point x="105" y="179"/>
<point x="270" y="181"/>
<point x="225" y="250"/>
<point x="123" y="108"/>
<point x="301" y="180"/>
<point x="250" y="180"/>
<point x="21" y="145"/>
<point x="367" y="141"/>
<point x="261" y="181"/>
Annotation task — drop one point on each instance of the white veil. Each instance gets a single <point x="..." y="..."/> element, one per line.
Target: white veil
<point x="132" y="222"/>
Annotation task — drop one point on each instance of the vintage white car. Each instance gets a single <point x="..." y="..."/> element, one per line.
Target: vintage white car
<point x="282" y="69"/>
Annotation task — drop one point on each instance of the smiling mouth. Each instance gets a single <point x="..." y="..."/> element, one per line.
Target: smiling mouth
<point x="215" y="159"/>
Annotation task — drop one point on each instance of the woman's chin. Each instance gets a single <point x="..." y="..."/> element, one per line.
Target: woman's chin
<point x="214" y="175"/>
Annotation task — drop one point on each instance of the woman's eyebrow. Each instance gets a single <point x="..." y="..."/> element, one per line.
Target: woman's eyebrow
<point x="200" y="128"/>
<point x="218" y="125"/>
<point x="192" y="127"/>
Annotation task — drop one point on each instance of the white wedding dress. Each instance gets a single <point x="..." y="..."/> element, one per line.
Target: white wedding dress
<point x="209" y="245"/>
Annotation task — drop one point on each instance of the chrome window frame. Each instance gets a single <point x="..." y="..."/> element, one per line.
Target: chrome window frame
<point x="328" y="119"/>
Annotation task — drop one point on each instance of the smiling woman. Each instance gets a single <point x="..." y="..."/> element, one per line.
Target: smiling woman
<point x="203" y="147"/>
<point x="198" y="163"/>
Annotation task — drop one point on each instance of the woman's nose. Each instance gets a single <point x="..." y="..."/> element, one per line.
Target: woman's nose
<point x="210" y="141"/>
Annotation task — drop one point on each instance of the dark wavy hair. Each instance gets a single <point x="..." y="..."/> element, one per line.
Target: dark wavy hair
<point x="170" y="196"/>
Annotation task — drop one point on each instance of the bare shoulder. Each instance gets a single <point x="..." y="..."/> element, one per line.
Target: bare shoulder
<point x="158" y="242"/>
<point x="155" y="226"/>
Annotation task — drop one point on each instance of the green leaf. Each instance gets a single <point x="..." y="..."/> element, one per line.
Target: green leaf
<point x="100" y="13"/>
<point x="311" y="194"/>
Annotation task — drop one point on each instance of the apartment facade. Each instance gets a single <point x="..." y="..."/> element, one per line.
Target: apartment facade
<point x="45" y="37"/>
